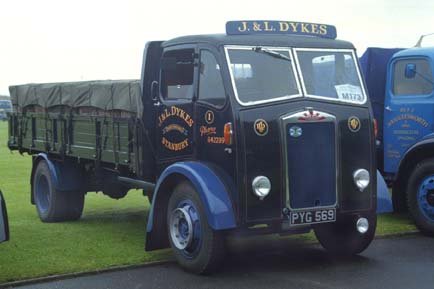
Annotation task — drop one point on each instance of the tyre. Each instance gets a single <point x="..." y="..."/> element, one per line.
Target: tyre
<point x="52" y="204"/>
<point x="420" y="196"/>
<point x="399" y="199"/>
<point x="196" y="246"/>
<point x="342" y="237"/>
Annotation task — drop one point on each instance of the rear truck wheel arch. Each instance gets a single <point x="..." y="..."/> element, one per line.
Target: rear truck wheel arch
<point x="414" y="155"/>
<point x="35" y="161"/>
<point x="65" y="174"/>
<point x="57" y="190"/>
<point x="212" y="191"/>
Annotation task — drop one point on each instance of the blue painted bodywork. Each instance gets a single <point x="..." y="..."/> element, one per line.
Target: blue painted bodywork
<point x="384" y="200"/>
<point x="407" y="118"/>
<point x="212" y="192"/>
<point x="374" y="68"/>
<point x="51" y="166"/>
<point x="403" y="120"/>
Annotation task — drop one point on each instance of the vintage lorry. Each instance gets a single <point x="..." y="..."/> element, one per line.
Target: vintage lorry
<point x="265" y="129"/>
<point x="401" y="87"/>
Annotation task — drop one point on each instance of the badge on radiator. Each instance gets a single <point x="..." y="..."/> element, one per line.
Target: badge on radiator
<point x="260" y="127"/>
<point x="354" y="123"/>
<point x="295" y="131"/>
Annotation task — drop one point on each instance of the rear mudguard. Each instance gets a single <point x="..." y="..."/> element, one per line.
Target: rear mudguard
<point x="212" y="190"/>
<point x="66" y="176"/>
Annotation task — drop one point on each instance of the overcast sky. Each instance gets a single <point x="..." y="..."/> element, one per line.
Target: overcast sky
<point x="56" y="40"/>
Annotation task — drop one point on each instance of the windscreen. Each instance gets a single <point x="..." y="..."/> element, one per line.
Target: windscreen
<point x="331" y="74"/>
<point x="262" y="74"/>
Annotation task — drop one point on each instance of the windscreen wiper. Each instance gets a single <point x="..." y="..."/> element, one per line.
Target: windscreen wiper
<point x="271" y="53"/>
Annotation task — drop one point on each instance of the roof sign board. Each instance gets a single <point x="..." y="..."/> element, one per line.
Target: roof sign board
<point x="280" y="27"/>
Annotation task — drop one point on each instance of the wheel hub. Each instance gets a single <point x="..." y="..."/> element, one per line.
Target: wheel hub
<point x="430" y="197"/>
<point x="426" y="197"/>
<point x="181" y="228"/>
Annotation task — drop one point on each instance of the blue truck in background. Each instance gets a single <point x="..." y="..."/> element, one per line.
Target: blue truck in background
<point x="5" y="107"/>
<point x="401" y="88"/>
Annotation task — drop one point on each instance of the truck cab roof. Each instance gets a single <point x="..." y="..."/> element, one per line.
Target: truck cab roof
<point x="261" y="39"/>
<point x="416" y="51"/>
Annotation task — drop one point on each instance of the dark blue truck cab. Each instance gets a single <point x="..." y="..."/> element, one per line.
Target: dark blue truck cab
<point x="281" y="141"/>
<point x="400" y="83"/>
<point x="266" y="129"/>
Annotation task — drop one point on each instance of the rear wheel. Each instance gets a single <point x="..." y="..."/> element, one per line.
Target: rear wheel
<point x="196" y="246"/>
<point x="420" y="196"/>
<point x="52" y="204"/>
<point x="342" y="237"/>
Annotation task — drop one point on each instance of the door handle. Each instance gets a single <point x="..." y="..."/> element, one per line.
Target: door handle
<point x="388" y="108"/>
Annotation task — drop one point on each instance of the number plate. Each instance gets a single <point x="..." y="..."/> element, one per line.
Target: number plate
<point x="312" y="217"/>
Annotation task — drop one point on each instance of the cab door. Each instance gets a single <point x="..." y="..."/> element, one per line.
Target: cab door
<point x="213" y="111"/>
<point x="175" y="125"/>
<point x="408" y="108"/>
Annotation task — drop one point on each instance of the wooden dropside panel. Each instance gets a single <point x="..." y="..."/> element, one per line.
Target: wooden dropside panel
<point x="102" y="139"/>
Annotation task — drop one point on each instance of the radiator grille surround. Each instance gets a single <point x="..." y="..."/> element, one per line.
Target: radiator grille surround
<point x="310" y="156"/>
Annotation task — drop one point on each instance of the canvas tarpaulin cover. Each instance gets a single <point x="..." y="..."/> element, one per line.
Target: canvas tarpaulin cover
<point x="102" y="94"/>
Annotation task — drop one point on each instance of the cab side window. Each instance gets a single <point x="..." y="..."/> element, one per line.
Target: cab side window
<point x="412" y="77"/>
<point x="211" y="88"/>
<point x="177" y="74"/>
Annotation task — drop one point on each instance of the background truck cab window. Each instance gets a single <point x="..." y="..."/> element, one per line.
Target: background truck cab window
<point x="421" y="83"/>
<point x="211" y="87"/>
<point x="177" y="74"/>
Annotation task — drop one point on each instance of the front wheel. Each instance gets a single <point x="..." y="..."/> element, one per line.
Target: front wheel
<point x="342" y="238"/>
<point x="420" y="196"/>
<point x="196" y="246"/>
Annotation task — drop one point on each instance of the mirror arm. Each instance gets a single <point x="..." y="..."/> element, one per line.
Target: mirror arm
<point x="154" y="90"/>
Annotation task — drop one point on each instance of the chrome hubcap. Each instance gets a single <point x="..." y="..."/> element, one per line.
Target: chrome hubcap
<point x="181" y="228"/>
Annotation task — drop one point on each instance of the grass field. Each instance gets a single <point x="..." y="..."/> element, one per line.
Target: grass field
<point x="110" y="233"/>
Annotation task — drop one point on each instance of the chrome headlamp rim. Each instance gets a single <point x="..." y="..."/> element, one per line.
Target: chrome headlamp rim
<point x="362" y="225"/>
<point x="361" y="178"/>
<point x="261" y="186"/>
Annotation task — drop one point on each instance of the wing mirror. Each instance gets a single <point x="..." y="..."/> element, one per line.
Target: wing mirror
<point x="4" y="225"/>
<point x="410" y="70"/>
<point x="154" y="90"/>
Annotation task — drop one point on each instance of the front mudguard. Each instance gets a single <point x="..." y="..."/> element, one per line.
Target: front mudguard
<point x="213" y="192"/>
